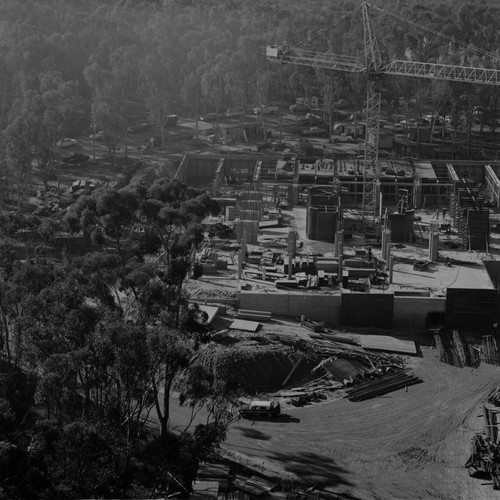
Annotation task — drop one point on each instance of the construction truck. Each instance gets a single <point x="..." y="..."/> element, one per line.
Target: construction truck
<point x="260" y="409"/>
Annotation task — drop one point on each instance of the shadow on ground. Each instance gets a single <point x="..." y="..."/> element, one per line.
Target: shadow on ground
<point x="282" y="419"/>
<point x="313" y="469"/>
<point x="253" y="433"/>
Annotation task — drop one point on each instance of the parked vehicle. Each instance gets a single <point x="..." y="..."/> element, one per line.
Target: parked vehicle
<point x="297" y="108"/>
<point x="171" y="121"/>
<point x="260" y="409"/>
<point x="409" y="123"/>
<point x="66" y="142"/>
<point x="309" y="131"/>
<point x="343" y="138"/>
<point x="209" y="117"/>
<point x="76" y="158"/>
<point x="265" y="110"/>
<point x="311" y="120"/>
<point x="140" y="127"/>
<point x="98" y="136"/>
<point x="235" y="112"/>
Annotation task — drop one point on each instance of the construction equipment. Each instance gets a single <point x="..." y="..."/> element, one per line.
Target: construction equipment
<point x="374" y="68"/>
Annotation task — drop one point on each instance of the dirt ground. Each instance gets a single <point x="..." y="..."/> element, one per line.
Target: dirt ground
<point x="405" y="445"/>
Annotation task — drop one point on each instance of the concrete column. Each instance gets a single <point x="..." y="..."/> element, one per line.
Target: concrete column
<point x="417" y="193"/>
<point x="290" y="196"/>
<point x="295" y="197"/>
<point x="433" y="247"/>
<point x="296" y="171"/>
<point x="290" y="265"/>
<point x="340" y="268"/>
<point x="241" y="257"/>
<point x="340" y="243"/>
<point x="230" y="214"/>
<point x="380" y="208"/>
<point x="386" y="240"/>
<point x="244" y="242"/>
<point x="391" y="269"/>
<point x="292" y="243"/>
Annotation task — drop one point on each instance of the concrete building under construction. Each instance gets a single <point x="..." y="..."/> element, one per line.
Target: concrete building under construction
<point x="364" y="274"/>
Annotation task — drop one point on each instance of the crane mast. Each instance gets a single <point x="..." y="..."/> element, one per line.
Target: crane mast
<point x="375" y="68"/>
<point x="371" y="169"/>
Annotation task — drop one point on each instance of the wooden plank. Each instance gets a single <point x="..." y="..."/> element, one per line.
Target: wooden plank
<point x="254" y="315"/>
<point x="205" y="489"/>
<point x="291" y="371"/>
<point x="386" y="343"/>
<point x="459" y="347"/>
<point x="247" y="326"/>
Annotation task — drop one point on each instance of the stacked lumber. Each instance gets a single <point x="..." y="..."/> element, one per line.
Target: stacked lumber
<point x="314" y="326"/>
<point x="254" y="485"/>
<point x="489" y="350"/>
<point x="453" y="350"/>
<point x="382" y="385"/>
<point x="254" y="315"/>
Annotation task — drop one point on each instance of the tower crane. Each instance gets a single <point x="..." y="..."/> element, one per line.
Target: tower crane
<point x="374" y="67"/>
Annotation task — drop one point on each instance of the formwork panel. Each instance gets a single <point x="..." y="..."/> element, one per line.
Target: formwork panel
<point x="367" y="309"/>
<point x="470" y="308"/>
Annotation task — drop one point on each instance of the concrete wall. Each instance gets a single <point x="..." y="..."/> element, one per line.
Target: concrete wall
<point x="411" y="312"/>
<point x="367" y="309"/>
<point x="313" y="306"/>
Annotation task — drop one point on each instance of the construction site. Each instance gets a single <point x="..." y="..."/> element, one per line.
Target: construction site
<point x="366" y="290"/>
<point x="334" y="305"/>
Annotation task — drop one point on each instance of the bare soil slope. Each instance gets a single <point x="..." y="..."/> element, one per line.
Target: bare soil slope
<point x="405" y="445"/>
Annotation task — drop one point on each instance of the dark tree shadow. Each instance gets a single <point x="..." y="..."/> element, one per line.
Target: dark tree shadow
<point x="253" y="433"/>
<point x="313" y="469"/>
<point x="282" y="419"/>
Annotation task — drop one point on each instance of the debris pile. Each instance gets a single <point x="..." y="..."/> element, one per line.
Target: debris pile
<point x="363" y="373"/>
<point x="312" y="392"/>
<point x="226" y="482"/>
<point x="484" y="460"/>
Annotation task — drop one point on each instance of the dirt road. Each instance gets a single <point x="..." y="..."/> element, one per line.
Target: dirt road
<point x="406" y="445"/>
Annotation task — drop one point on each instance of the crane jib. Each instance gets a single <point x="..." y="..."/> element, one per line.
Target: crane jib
<point x="438" y="71"/>
<point x="485" y="76"/>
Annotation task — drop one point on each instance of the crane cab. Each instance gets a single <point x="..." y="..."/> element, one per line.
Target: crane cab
<point x="277" y="51"/>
